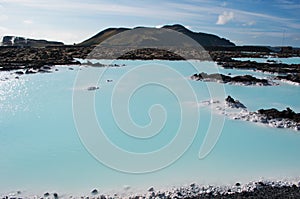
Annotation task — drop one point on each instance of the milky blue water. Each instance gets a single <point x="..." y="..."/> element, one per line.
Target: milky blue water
<point x="41" y="149"/>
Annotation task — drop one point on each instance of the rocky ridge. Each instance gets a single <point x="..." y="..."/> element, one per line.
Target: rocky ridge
<point x="245" y="80"/>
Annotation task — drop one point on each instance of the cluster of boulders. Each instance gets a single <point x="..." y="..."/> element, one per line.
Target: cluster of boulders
<point x="272" y="117"/>
<point x="246" y="80"/>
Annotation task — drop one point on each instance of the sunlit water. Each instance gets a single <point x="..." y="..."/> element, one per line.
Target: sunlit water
<point x="41" y="150"/>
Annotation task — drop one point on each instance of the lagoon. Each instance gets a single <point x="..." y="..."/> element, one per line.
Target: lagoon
<point x="41" y="149"/>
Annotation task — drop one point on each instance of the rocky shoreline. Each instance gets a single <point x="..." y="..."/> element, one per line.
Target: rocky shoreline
<point x="290" y="72"/>
<point x="245" y="80"/>
<point x="259" y="189"/>
<point x="235" y="110"/>
<point x="271" y="117"/>
<point x="256" y="189"/>
<point x="13" y="57"/>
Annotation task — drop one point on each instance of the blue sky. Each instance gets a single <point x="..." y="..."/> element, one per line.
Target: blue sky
<point x="255" y="22"/>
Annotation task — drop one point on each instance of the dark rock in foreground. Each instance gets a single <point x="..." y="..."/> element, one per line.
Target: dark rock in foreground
<point x="285" y="114"/>
<point x="235" y="110"/>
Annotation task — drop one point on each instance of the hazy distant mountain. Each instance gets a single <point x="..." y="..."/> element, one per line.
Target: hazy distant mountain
<point x="153" y="37"/>
<point x="23" y="42"/>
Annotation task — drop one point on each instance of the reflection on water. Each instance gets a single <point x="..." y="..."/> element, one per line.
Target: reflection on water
<point x="13" y="94"/>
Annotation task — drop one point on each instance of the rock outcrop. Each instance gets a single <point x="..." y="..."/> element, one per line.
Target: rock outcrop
<point x="230" y="102"/>
<point x="235" y="110"/>
<point x="26" y="42"/>
<point x="246" y="80"/>
<point x="276" y="114"/>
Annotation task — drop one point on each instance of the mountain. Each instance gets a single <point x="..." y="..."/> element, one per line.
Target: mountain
<point x="141" y="36"/>
<point x="202" y="38"/>
<point x="102" y="36"/>
<point x="26" y="42"/>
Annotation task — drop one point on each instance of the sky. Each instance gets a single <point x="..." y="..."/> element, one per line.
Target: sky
<point x="255" y="22"/>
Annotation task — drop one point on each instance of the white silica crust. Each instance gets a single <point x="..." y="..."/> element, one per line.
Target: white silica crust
<point x="236" y="111"/>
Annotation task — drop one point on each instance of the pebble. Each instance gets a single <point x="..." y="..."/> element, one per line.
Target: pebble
<point x="55" y="195"/>
<point x="46" y="194"/>
<point x="94" y="192"/>
<point x="151" y="189"/>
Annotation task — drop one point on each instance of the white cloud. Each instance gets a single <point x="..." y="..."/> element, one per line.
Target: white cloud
<point x="224" y="4"/>
<point x="286" y="4"/>
<point x="225" y="18"/>
<point x="250" y="23"/>
<point x="3" y="17"/>
<point x="28" y="22"/>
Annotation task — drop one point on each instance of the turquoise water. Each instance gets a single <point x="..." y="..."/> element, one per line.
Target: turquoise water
<point x="41" y="149"/>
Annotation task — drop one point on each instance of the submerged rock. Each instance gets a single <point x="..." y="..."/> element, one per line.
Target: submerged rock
<point x="92" y="88"/>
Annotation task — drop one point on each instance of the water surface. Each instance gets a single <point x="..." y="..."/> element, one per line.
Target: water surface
<point x="41" y="150"/>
